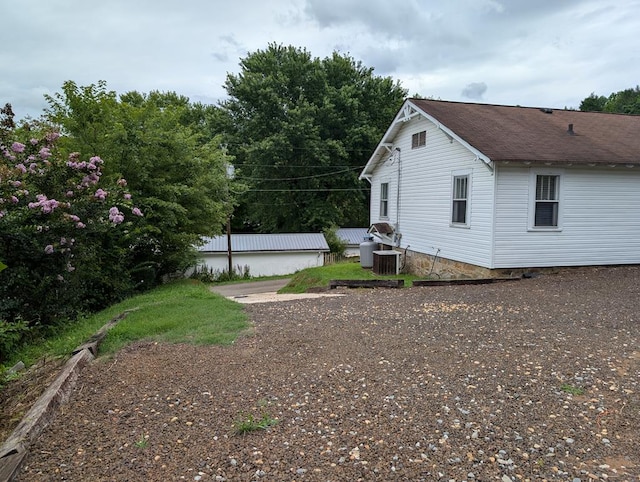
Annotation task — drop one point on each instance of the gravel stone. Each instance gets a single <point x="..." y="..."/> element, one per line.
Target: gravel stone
<point x="417" y="384"/>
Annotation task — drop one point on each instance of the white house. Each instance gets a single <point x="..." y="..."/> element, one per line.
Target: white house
<point x="265" y="254"/>
<point x="476" y="187"/>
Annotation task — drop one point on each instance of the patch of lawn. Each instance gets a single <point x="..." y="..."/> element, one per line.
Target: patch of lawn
<point x="179" y="312"/>
<point x="184" y="311"/>
<point x="319" y="277"/>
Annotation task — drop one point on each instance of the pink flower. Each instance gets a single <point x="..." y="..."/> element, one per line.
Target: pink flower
<point x="69" y="194"/>
<point x="17" y="147"/>
<point x="14" y="200"/>
<point x="122" y="182"/>
<point x="137" y="212"/>
<point x="74" y="218"/>
<point x="21" y="167"/>
<point x="33" y="142"/>
<point x="52" y="136"/>
<point x="80" y="225"/>
<point x="45" y="153"/>
<point x="100" y="194"/>
<point x="48" y="249"/>
<point x="46" y="205"/>
<point x="115" y="216"/>
<point x="127" y="195"/>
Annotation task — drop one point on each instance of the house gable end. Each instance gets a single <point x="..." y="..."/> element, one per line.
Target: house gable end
<point x="407" y="112"/>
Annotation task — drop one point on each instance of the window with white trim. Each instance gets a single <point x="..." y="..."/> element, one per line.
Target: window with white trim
<point x="384" y="199"/>
<point x="547" y="201"/>
<point x="460" y="200"/>
<point x="419" y="139"/>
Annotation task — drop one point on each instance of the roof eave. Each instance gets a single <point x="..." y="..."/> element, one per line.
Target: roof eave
<point x="406" y="113"/>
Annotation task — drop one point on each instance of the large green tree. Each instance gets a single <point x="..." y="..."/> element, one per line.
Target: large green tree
<point x="300" y="129"/>
<point x="162" y="145"/>
<point x="623" y="102"/>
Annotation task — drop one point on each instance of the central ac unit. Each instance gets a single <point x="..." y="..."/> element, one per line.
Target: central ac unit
<point x="386" y="262"/>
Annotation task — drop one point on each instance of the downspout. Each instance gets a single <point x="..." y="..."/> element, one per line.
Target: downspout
<point x="397" y="226"/>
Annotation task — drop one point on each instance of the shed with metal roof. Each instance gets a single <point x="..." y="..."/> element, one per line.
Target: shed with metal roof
<point x="352" y="237"/>
<point x="265" y="254"/>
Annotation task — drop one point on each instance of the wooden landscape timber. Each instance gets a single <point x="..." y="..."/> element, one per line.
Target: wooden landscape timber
<point x="370" y="283"/>
<point x="14" y="449"/>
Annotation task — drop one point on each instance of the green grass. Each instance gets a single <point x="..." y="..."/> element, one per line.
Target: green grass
<point x="573" y="390"/>
<point x="320" y="276"/>
<point x="249" y="423"/>
<point x="184" y="311"/>
<point x="180" y="312"/>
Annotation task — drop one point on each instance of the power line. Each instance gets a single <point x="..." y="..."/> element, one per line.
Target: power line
<point x="307" y="190"/>
<point x="297" y="178"/>
<point x="240" y="166"/>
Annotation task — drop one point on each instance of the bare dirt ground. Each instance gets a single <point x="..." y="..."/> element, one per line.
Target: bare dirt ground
<point x="536" y="379"/>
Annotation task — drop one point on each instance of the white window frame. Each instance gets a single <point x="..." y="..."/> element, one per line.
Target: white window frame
<point x="534" y="201"/>
<point x="455" y="176"/>
<point x="419" y="139"/>
<point x="384" y="200"/>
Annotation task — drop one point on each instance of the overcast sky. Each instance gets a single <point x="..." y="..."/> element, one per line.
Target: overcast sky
<point x="540" y="53"/>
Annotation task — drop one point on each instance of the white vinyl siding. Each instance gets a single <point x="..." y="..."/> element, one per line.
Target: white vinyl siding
<point x="598" y="213"/>
<point x="426" y="196"/>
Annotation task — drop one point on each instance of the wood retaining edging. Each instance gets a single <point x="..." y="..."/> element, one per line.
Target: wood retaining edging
<point x="370" y="283"/>
<point x="15" y="448"/>
<point x="399" y="283"/>
<point x="461" y="281"/>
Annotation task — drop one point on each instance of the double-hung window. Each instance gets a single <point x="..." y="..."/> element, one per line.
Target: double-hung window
<point x="384" y="200"/>
<point x="460" y="200"/>
<point x="547" y="201"/>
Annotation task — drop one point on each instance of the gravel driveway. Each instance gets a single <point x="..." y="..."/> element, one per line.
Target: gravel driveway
<point x="536" y="379"/>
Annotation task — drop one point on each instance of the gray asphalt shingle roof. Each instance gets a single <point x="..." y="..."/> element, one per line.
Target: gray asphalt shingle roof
<point x="508" y="133"/>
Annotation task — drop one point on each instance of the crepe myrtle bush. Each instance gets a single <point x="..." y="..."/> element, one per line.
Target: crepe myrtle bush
<point x="62" y="230"/>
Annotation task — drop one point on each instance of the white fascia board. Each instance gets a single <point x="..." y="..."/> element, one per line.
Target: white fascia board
<point x="479" y="155"/>
<point x="406" y="112"/>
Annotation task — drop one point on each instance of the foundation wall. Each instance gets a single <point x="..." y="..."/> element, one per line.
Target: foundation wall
<point x="426" y="266"/>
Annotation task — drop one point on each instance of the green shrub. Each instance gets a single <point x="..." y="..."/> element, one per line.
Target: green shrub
<point x="206" y="274"/>
<point x="336" y="244"/>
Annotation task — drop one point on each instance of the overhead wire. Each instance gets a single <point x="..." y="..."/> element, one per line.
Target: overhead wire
<point x="297" y="178"/>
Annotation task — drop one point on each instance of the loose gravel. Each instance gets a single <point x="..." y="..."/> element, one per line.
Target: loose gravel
<point x="530" y="380"/>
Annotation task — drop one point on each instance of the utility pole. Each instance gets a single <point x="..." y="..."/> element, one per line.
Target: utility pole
<point x="229" y="254"/>
<point x="230" y="176"/>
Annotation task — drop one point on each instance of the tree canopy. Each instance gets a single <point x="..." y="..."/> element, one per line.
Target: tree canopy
<point x="173" y="164"/>
<point x="623" y="102"/>
<point x="300" y="129"/>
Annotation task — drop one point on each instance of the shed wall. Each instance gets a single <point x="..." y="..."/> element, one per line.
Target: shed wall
<point x="265" y="263"/>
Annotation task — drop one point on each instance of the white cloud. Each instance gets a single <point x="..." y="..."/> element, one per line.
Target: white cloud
<point x="543" y="53"/>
